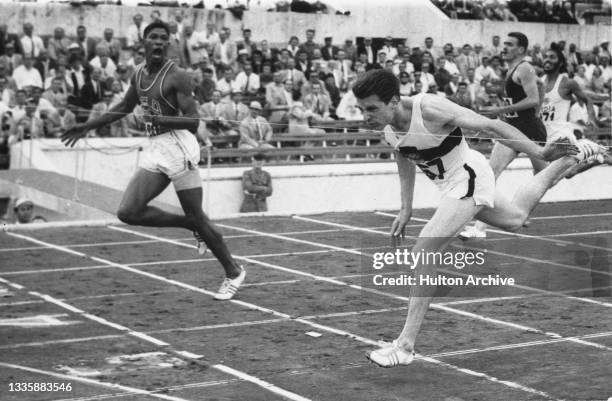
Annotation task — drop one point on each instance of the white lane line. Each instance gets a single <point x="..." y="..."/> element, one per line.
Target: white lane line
<point x="571" y="216"/>
<point x="343" y="332"/>
<point x="150" y="241"/>
<point x="383" y="293"/>
<point x="166" y="262"/>
<point x="529" y="259"/>
<point x="92" y="382"/>
<point x="519" y="235"/>
<point x="261" y="383"/>
<point x="119" y="327"/>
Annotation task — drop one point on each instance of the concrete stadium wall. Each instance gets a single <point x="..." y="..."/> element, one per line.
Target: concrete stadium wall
<point x="297" y="189"/>
<point x="415" y="21"/>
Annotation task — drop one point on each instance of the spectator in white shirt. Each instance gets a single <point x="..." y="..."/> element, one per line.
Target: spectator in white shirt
<point x="389" y="49"/>
<point x="27" y="75"/>
<point x="18" y="109"/>
<point x="247" y="81"/>
<point x="483" y="71"/>
<point x="104" y="62"/>
<point x="226" y="84"/>
<point x="135" y="31"/>
<point x="449" y="63"/>
<point x="30" y="43"/>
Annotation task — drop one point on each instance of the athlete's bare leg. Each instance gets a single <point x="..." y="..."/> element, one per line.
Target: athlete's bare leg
<point x="135" y="210"/>
<point x="191" y="202"/>
<point x="452" y="215"/>
<point x="512" y="215"/>
<point x="501" y="157"/>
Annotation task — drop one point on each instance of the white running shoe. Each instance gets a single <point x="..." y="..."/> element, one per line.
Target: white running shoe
<point x="230" y="286"/>
<point x="200" y="244"/>
<point x="472" y="232"/>
<point x="589" y="149"/>
<point x="391" y="355"/>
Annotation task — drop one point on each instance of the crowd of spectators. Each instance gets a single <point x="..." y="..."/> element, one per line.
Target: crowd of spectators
<point x="547" y="11"/>
<point x="246" y="88"/>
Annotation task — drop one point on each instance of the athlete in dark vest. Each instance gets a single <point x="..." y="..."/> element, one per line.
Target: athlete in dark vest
<point x="521" y="103"/>
<point x="164" y="92"/>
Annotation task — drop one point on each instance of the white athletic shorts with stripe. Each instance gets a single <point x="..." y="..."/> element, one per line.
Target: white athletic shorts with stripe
<point x="473" y="179"/>
<point x="176" y="154"/>
<point x="561" y="129"/>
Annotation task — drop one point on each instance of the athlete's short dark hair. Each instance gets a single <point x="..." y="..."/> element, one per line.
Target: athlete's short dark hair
<point x="562" y="61"/>
<point x="521" y="39"/>
<point x="156" y="24"/>
<point x="377" y="82"/>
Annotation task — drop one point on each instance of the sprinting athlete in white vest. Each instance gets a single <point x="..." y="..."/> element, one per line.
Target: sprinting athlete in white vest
<point x="425" y="131"/>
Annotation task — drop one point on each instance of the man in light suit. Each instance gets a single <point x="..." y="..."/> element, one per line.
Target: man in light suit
<point x="86" y="43"/>
<point x="225" y="52"/>
<point x="58" y="44"/>
<point x="112" y="45"/>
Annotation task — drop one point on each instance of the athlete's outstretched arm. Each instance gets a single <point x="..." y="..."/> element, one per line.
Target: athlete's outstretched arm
<point x="454" y="115"/>
<point x="581" y="96"/>
<point x="190" y="119"/>
<point x="120" y="110"/>
<point x="407" y="172"/>
<point x="527" y="78"/>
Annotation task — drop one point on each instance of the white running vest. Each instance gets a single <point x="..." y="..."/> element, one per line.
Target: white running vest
<point x="554" y="107"/>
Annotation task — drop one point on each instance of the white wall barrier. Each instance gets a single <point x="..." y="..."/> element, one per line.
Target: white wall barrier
<point x="297" y="189"/>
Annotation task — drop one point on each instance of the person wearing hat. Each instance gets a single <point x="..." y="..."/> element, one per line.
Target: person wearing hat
<point x="255" y="131"/>
<point x="24" y="212"/>
<point x="256" y="186"/>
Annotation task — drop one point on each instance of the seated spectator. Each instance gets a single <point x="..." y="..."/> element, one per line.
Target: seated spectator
<point x="6" y="139"/>
<point x="581" y="78"/>
<point x="10" y="58"/>
<point x="7" y="95"/>
<point x="334" y="93"/>
<point x="24" y="212"/>
<point x="27" y="75"/>
<point x="44" y="64"/>
<point x="123" y="77"/>
<point x="606" y="69"/>
<point x="597" y="84"/>
<point x="317" y="103"/>
<point x="498" y="70"/>
<point x="269" y="55"/>
<point x="347" y="109"/>
<point x="225" y="51"/>
<point x="42" y="104"/>
<point x="406" y="84"/>
<point x="278" y="100"/>
<point x="19" y="109"/>
<point x="605" y="113"/>
<point x="92" y="90"/>
<point x="298" y="121"/>
<point x="29" y="126"/>
<point x="294" y="75"/>
<point x="257" y="186"/>
<point x="255" y="132"/>
<point x="442" y="77"/>
<point x="233" y="113"/>
<point x="31" y="44"/>
<point x="111" y="44"/>
<point x="203" y="91"/>
<point x="418" y="88"/>
<point x="115" y="88"/>
<point x="462" y="97"/>
<point x="226" y="85"/>
<point x="103" y="61"/>
<point x="328" y="51"/>
<point x="86" y="44"/>
<point x="135" y="32"/>
<point x="58" y="44"/>
<point x="266" y="77"/>
<point x="247" y="82"/>
<point x="451" y="88"/>
<point x="246" y="43"/>
<point x="77" y="73"/>
<point x="211" y="111"/>
<point x="117" y="128"/>
<point x="61" y="121"/>
<point x="138" y="57"/>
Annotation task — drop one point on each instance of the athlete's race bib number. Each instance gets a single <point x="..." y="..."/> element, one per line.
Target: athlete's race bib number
<point x="433" y="169"/>
<point x="508" y="102"/>
<point x="547" y="113"/>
